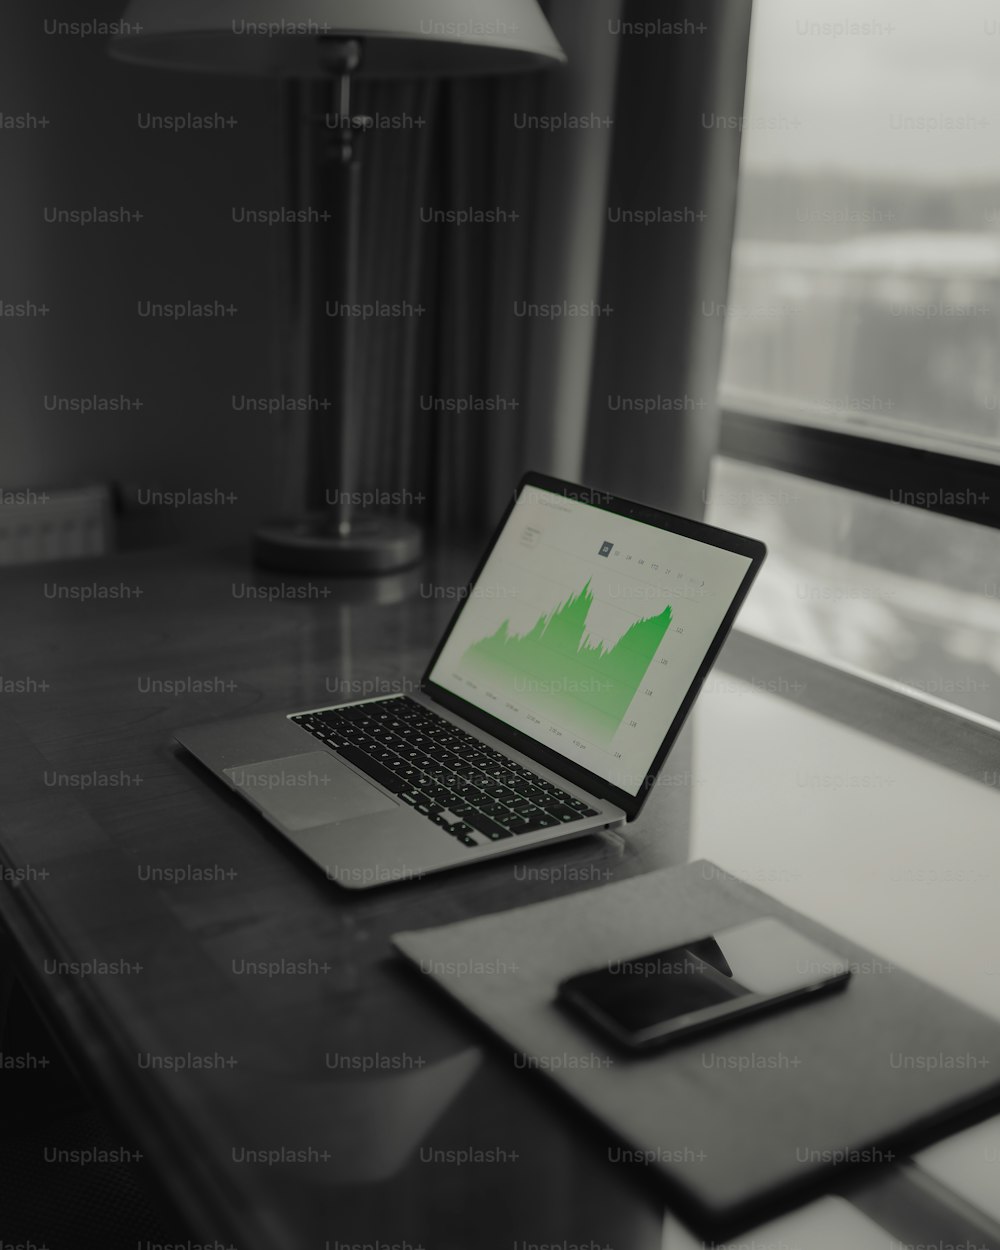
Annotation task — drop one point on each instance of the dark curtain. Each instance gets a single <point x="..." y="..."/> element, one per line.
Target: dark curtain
<point x="543" y="384"/>
<point x="466" y="349"/>
<point x="417" y="371"/>
<point x="677" y="149"/>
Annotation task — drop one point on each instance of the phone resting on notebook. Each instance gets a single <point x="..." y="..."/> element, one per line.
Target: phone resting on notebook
<point x="709" y="983"/>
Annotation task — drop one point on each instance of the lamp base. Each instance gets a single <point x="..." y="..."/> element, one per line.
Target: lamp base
<point x="373" y="545"/>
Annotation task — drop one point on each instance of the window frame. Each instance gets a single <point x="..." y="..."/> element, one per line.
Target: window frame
<point x="900" y="473"/>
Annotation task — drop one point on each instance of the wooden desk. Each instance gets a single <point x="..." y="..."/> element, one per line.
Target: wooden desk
<point x="205" y="938"/>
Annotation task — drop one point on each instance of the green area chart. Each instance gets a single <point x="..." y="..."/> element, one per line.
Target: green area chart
<point x="555" y="668"/>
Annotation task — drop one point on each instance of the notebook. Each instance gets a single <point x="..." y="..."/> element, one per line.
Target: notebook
<point x="742" y="1122"/>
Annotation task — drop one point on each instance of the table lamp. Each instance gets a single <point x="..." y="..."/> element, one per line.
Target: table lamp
<point x="333" y="43"/>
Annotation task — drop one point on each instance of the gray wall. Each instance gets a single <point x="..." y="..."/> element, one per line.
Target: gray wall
<point x="94" y="153"/>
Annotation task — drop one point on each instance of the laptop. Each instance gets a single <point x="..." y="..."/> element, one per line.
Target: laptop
<point x="546" y="711"/>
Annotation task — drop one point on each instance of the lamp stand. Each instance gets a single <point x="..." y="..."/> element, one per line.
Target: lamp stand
<point x="335" y="536"/>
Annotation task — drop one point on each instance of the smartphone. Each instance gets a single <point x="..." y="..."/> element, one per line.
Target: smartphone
<point x="704" y="984"/>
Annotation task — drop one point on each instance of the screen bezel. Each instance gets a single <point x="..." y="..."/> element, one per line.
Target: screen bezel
<point x="684" y="527"/>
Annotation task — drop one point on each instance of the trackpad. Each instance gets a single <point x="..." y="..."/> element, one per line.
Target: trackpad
<point x="313" y="788"/>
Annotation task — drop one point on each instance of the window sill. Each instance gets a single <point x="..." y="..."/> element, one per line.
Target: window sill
<point x="942" y="733"/>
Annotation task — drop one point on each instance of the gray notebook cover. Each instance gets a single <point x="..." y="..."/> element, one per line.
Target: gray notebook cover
<point x="739" y="1120"/>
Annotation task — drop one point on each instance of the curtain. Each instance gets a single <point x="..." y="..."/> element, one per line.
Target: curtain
<point x="459" y="398"/>
<point x="653" y="421"/>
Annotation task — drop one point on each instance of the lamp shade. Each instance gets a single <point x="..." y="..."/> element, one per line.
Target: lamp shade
<point x="400" y="38"/>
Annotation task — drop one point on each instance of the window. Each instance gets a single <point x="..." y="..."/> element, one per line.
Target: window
<point x="863" y="337"/>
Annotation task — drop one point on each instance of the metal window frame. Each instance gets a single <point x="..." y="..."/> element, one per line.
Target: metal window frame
<point x="901" y="473"/>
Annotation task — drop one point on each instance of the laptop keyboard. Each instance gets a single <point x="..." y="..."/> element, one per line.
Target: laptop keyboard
<point x="454" y="779"/>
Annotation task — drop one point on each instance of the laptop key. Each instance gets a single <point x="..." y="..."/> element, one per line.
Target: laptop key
<point x="563" y="814"/>
<point x="487" y="826"/>
<point x="359" y="712"/>
<point x="577" y="806"/>
<point x="490" y="807"/>
<point x="369" y="766"/>
<point x="541" y="821"/>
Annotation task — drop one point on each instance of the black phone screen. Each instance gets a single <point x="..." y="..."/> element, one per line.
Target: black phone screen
<point x="702" y="982"/>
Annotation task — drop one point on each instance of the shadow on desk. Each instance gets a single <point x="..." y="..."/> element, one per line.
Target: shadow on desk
<point x="66" y="1177"/>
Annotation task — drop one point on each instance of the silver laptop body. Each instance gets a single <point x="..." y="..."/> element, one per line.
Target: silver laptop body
<point x="365" y="825"/>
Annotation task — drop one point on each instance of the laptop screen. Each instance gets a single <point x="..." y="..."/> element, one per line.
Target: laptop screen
<point x="585" y="630"/>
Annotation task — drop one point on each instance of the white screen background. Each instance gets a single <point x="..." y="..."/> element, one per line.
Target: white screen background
<point x="549" y="550"/>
